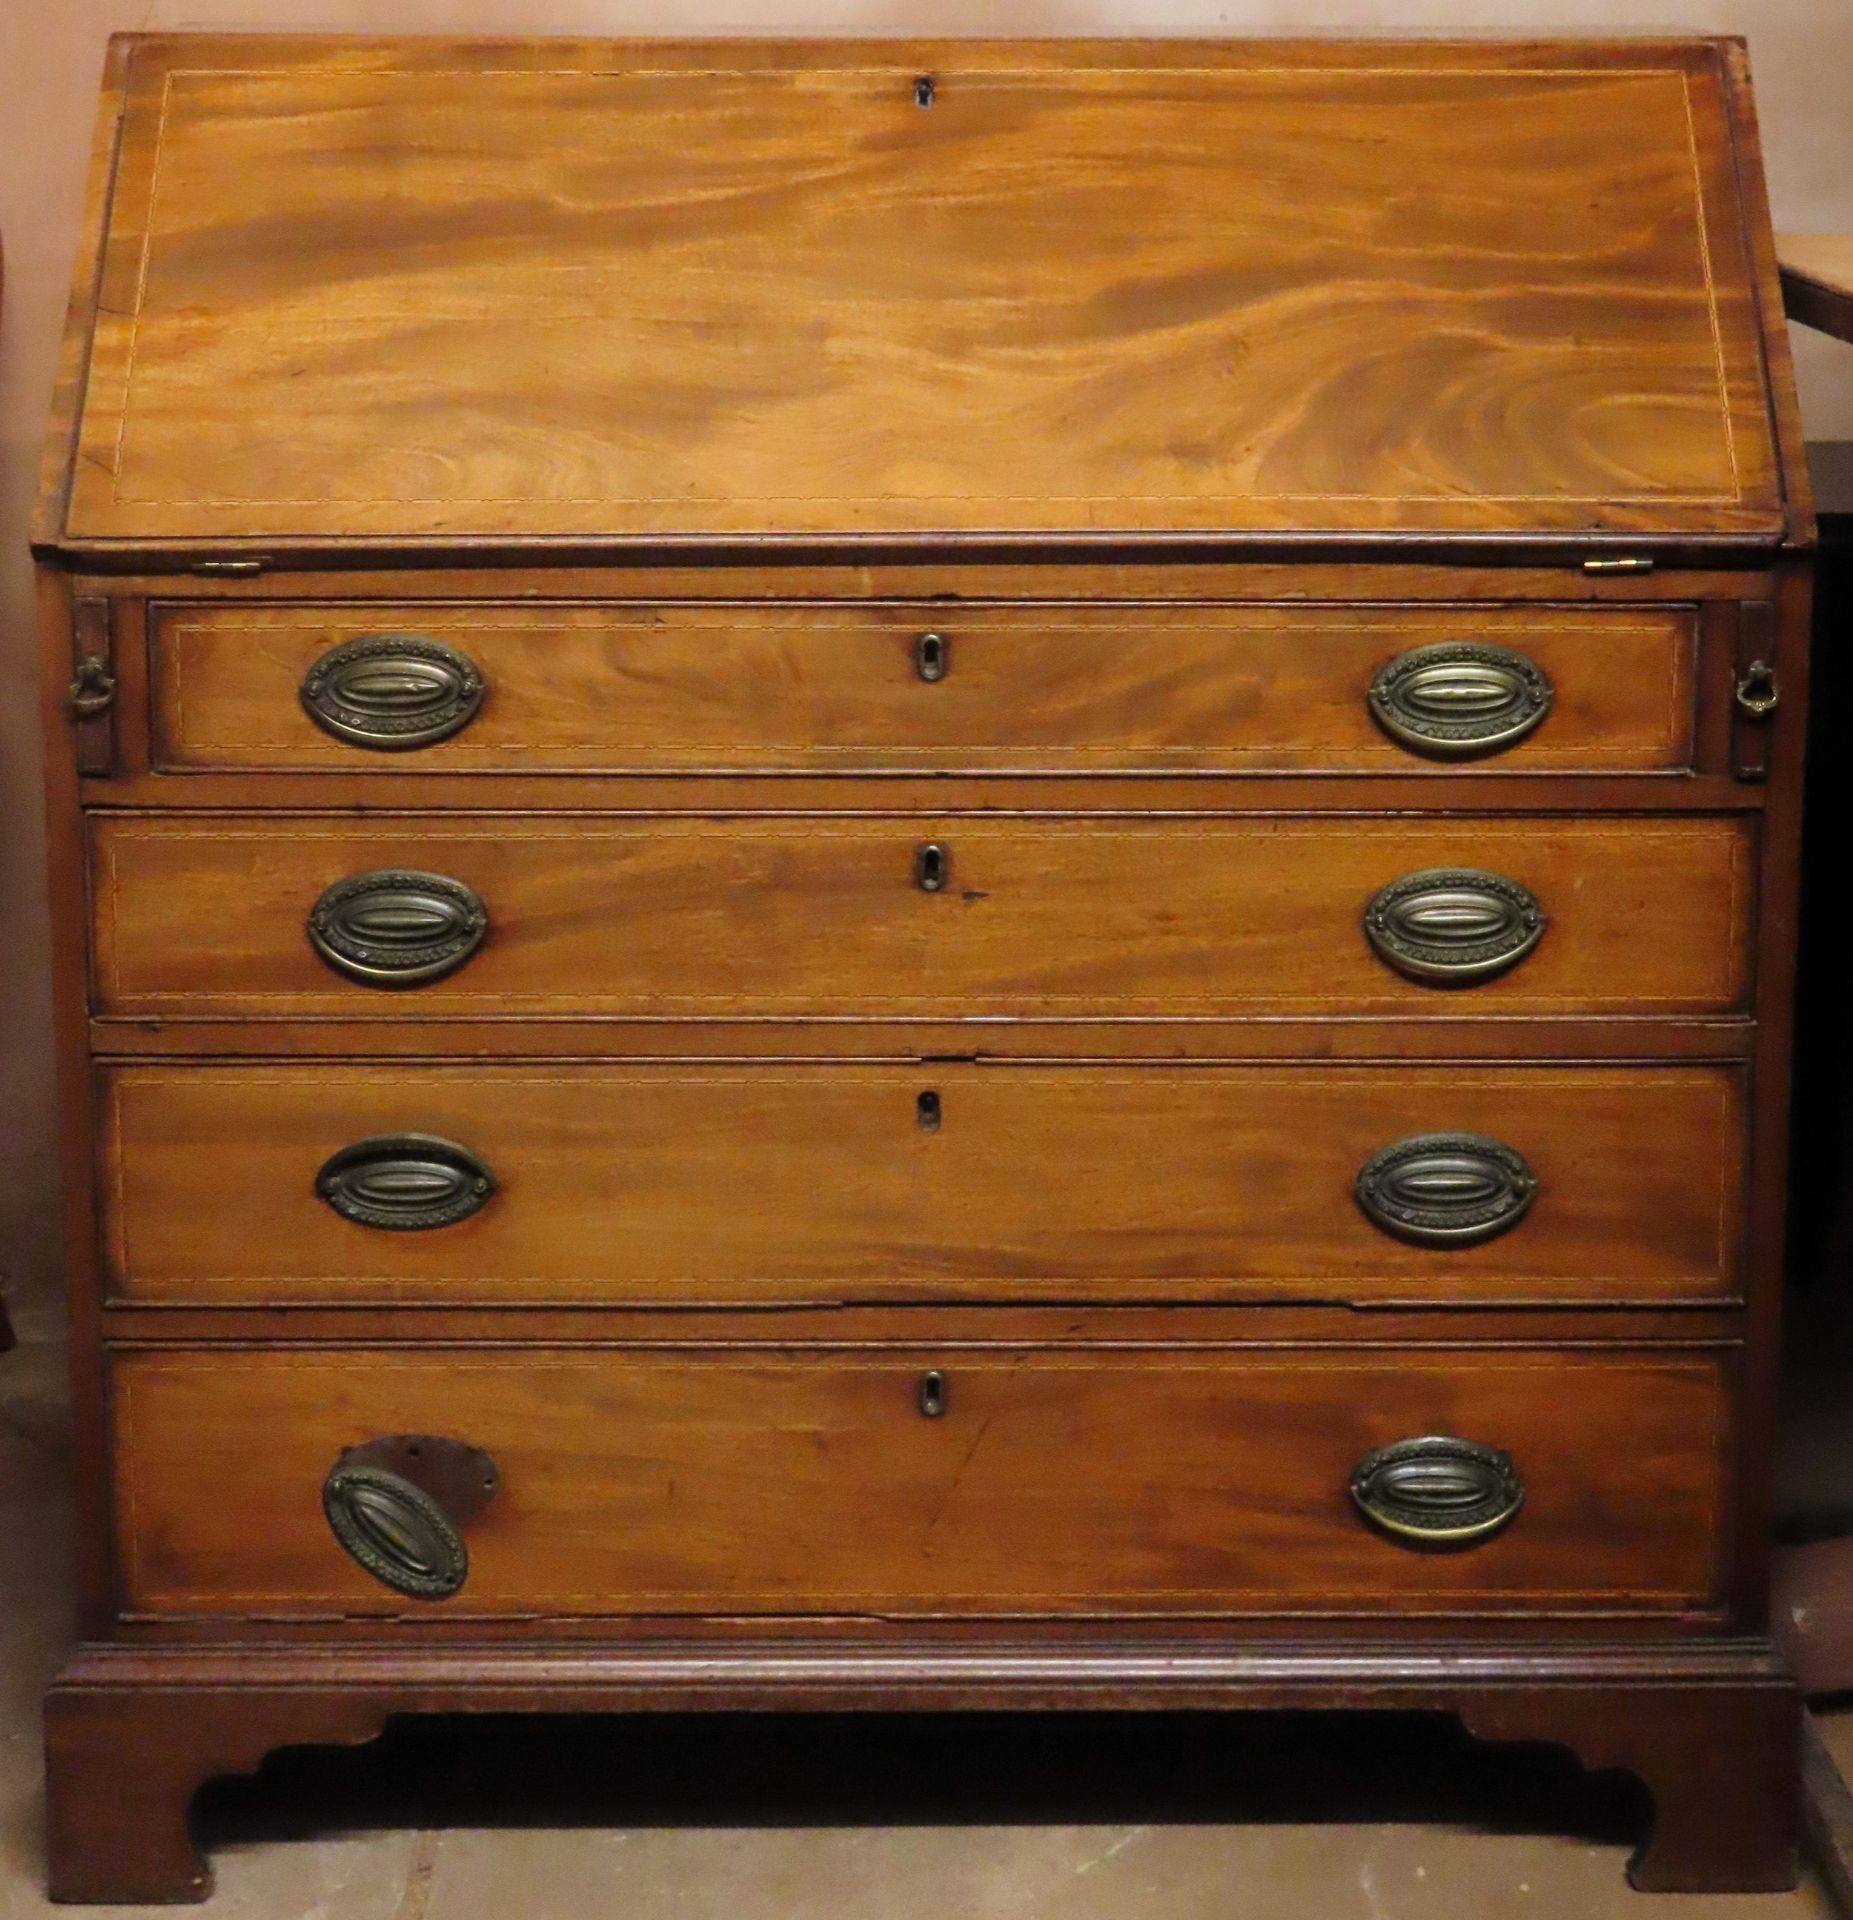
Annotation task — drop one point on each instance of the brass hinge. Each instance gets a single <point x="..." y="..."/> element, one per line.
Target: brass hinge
<point x="227" y="569"/>
<point x="1618" y="563"/>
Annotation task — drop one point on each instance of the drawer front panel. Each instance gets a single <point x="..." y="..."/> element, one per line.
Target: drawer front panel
<point x="680" y="1185"/>
<point x="836" y="689"/>
<point x="810" y="1481"/>
<point x="950" y="917"/>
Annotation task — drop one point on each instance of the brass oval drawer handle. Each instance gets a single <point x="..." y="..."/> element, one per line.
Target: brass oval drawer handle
<point x="405" y="1182"/>
<point x="396" y="927"/>
<point x="1437" y="1491"/>
<point x="1449" y="926"/>
<point x="1446" y="1189"/>
<point x="393" y="691"/>
<point x="1460" y="700"/>
<point x="398" y="1506"/>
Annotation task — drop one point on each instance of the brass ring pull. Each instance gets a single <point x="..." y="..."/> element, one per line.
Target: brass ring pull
<point x="1437" y="1491"/>
<point x="1758" y="691"/>
<point x="94" y="689"/>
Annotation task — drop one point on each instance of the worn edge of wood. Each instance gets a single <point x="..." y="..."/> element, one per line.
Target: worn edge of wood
<point x="777" y="1675"/>
<point x="1765" y="1216"/>
<point x="70" y="949"/>
<point x="1755" y="223"/>
<point x="59" y="456"/>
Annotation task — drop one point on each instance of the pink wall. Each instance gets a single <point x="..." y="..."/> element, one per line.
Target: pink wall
<point x="50" y="55"/>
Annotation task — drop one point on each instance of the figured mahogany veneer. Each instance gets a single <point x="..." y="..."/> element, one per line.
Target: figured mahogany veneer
<point x="756" y="1185"/>
<point x="1080" y="688"/>
<point x="826" y="917"/>
<point x="790" y="1481"/>
<point x="1231" y="261"/>
<point x="923" y="875"/>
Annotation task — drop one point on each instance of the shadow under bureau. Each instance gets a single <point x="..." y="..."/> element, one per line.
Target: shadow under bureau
<point x="947" y="876"/>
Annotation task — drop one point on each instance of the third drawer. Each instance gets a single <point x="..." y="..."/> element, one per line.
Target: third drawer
<point x="521" y="1185"/>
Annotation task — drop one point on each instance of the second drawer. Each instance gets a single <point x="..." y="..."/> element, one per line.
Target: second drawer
<point x="523" y="1185"/>
<point x="391" y="917"/>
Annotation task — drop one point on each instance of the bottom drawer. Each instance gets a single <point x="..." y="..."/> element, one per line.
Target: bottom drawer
<point x="973" y="1480"/>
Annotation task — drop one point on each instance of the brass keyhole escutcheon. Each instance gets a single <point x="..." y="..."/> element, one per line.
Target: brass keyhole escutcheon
<point x="927" y="1111"/>
<point x="930" y="864"/>
<point x="933" y="1394"/>
<point x="932" y="656"/>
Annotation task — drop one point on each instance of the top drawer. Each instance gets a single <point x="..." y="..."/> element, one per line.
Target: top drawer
<point x="594" y="688"/>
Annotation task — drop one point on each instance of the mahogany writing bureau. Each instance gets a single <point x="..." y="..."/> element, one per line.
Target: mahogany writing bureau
<point x="907" y="876"/>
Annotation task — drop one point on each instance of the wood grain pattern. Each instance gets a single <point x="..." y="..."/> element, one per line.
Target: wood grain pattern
<point x="625" y="1184"/>
<point x="823" y="918"/>
<point x="830" y="689"/>
<point x="1182" y="383"/>
<point x="638" y="292"/>
<point x="190" y="1713"/>
<point x="786" y="1482"/>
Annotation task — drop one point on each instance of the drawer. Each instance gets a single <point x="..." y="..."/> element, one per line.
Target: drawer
<point x="743" y="688"/>
<point x="885" y="917"/>
<point x="477" y="1184"/>
<point x="786" y="1480"/>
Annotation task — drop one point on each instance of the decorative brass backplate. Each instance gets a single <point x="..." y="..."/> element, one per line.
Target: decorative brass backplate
<point x="1446" y="1189"/>
<point x="1437" y="1491"/>
<point x="1452" y="926"/>
<point x="396" y="927"/>
<point x="392" y="691"/>
<point x="398" y="1506"/>
<point x="1459" y="700"/>
<point x="405" y="1182"/>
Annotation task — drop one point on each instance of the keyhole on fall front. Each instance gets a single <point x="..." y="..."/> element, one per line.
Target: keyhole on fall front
<point x="926" y="1111"/>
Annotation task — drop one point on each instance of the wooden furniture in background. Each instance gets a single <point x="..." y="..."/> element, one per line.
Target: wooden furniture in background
<point x="924" y="876"/>
<point x="1817" y="281"/>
